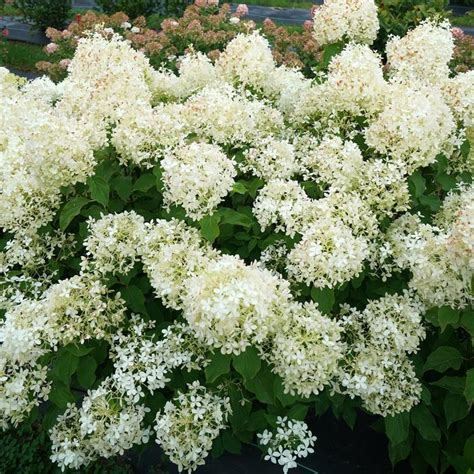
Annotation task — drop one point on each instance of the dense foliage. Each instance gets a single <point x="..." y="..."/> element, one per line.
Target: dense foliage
<point x="45" y="13"/>
<point x="201" y="257"/>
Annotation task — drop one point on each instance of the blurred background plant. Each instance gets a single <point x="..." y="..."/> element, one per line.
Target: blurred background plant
<point x="45" y="13"/>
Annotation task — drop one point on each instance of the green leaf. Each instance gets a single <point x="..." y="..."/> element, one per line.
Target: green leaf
<point x="210" y="227"/>
<point x="231" y="443"/>
<point x="397" y="427"/>
<point x="247" y="363"/>
<point x="442" y="359"/>
<point x="469" y="390"/>
<point x="446" y="181"/>
<point x="71" y="210"/>
<point x="239" y="188"/>
<point x="230" y="216"/>
<point x="431" y="201"/>
<point x="416" y="184"/>
<point x="134" y="298"/>
<point x="423" y="420"/>
<point x="298" y="412"/>
<point x="465" y="148"/>
<point x="86" y="371"/>
<point x="122" y="185"/>
<point x="60" y="395"/>
<point x="330" y="51"/>
<point x="99" y="189"/>
<point x="468" y="451"/>
<point x="399" y="452"/>
<point x="262" y="385"/>
<point x="467" y="322"/>
<point x="455" y="408"/>
<point x="219" y="365"/>
<point x="145" y="182"/>
<point x="324" y="297"/>
<point x="78" y="350"/>
<point x="65" y="366"/>
<point x="286" y="399"/>
<point x="429" y="450"/>
<point x="451" y="384"/>
<point x="447" y="316"/>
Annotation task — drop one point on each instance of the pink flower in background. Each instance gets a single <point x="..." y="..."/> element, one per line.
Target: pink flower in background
<point x="242" y="10"/>
<point x="66" y="34"/>
<point x="64" y="63"/>
<point x="313" y="10"/>
<point x="212" y="3"/>
<point x="457" y="32"/>
<point x="200" y="3"/>
<point x="308" y="25"/>
<point x="5" y="32"/>
<point x="51" y="48"/>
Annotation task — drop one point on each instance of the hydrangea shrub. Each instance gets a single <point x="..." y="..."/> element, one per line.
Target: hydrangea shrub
<point x="200" y="259"/>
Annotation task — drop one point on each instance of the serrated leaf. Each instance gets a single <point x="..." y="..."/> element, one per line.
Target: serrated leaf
<point x="210" y="227"/>
<point x="469" y="390"/>
<point x="219" y="365"/>
<point x="99" y="189"/>
<point x="71" y="210"/>
<point x="442" y="359"/>
<point x="423" y="420"/>
<point x="247" y="363"/>
<point x="145" y="182"/>
<point x="324" y="297"/>
<point x="86" y="371"/>
<point x="447" y="316"/>
<point x="455" y="408"/>
<point x="397" y="427"/>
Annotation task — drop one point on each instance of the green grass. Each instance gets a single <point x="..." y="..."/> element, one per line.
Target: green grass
<point x="8" y="10"/>
<point x="281" y="3"/>
<point x="465" y="20"/>
<point x="22" y="56"/>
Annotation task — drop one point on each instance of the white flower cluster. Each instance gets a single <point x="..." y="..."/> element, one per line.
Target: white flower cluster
<point x="330" y="160"/>
<point x="113" y="242"/>
<point x="307" y="350"/>
<point x="337" y="20"/>
<point x="232" y="305"/>
<point x="376" y="367"/>
<point x="440" y="258"/>
<point x="105" y="425"/>
<point x="188" y="425"/>
<point x="197" y="177"/>
<point x="291" y="440"/>
<point x="141" y="361"/>
<point x="422" y="55"/>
